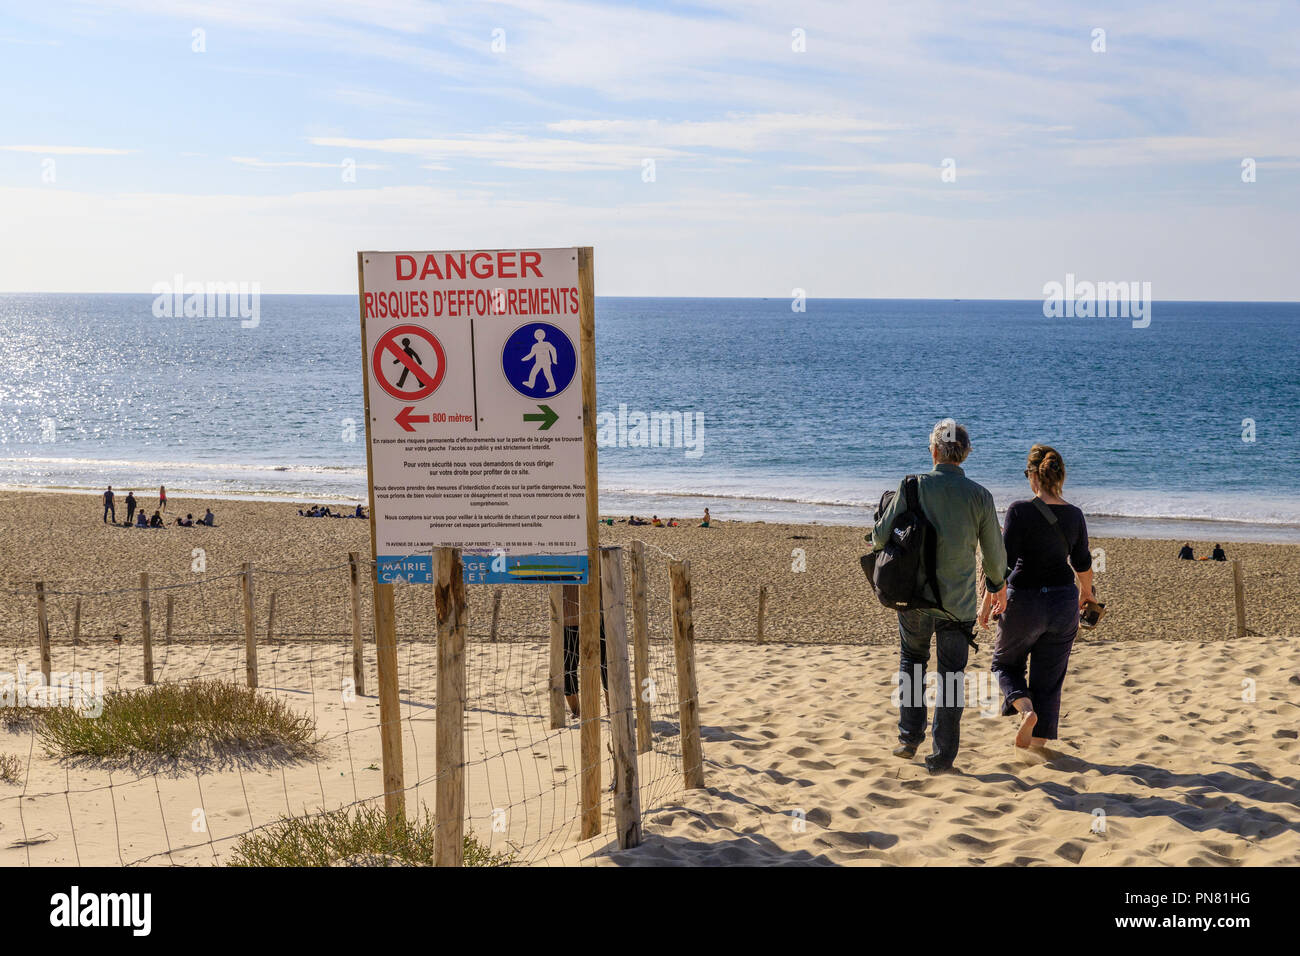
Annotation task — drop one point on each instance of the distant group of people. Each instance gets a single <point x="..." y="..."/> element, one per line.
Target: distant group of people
<point x="137" y="516"/>
<point x="323" y="511"/>
<point x="656" y="522"/>
<point x="1187" y="554"/>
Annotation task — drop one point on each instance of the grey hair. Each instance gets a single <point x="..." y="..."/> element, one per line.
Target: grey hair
<point x="950" y="441"/>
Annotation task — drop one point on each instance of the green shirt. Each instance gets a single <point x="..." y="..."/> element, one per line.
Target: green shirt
<point x="962" y="513"/>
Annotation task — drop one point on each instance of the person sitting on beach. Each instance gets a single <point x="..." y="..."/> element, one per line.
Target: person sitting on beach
<point x="1041" y="618"/>
<point x="156" y="521"/>
<point x="637" y="521"/>
<point x="141" y="519"/>
<point x="656" y="522"/>
<point x="186" y="522"/>
<point x="1187" y="554"/>
<point x="672" y="522"/>
<point x="1217" y="554"/>
<point x="963" y="516"/>
<point x="361" y="512"/>
<point x="705" y="522"/>
<point x="207" y="518"/>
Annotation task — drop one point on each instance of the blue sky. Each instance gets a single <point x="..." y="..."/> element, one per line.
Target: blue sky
<point x="126" y="156"/>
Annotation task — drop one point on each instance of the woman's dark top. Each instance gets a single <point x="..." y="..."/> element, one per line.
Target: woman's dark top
<point x="1035" y="555"/>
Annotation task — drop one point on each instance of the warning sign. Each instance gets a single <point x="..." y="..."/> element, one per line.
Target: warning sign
<point x="474" y="412"/>
<point x="395" y="349"/>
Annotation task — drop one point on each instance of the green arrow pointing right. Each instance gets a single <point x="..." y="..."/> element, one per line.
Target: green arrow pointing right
<point x="547" y="418"/>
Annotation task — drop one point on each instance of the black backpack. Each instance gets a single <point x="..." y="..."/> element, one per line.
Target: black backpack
<point x="903" y="571"/>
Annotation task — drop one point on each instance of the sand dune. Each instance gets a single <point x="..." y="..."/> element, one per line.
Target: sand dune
<point x="1158" y="747"/>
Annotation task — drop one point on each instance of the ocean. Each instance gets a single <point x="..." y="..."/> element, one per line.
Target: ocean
<point x="1185" y="428"/>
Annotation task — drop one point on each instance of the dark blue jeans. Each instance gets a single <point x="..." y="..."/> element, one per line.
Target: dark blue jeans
<point x="915" y="629"/>
<point x="1037" y="629"/>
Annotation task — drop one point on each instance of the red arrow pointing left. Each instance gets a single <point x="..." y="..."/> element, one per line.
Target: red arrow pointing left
<point x="406" y="419"/>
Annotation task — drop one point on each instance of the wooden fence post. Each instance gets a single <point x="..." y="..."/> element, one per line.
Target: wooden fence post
<point x="589" y="749"/>
<point x="358" y="651"/>
<point x="250" y="629"/>
<point x="449" y="810"/>
<point x="167" y="633"/>
<point x="1239" y="597"/>
<point x="679" y="573"/>
<point x="390" y="703"/>
<point x="76" y="624"/>
<point x="627" y="790"/>
<point x="641" y="649"/>
<point x="43" y="631"/>
<point x="556" y="676"/>
<point x="146" y="632"/>
<point x="762" y="610"/>
<point x="496" y="613"/>
<point x="270" y="619"/>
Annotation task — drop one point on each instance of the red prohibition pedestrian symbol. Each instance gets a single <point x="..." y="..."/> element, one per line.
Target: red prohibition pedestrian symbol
<point x="420" y="355"/>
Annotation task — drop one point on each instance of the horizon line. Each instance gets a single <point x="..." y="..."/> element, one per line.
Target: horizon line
<point x="826" y="298"/>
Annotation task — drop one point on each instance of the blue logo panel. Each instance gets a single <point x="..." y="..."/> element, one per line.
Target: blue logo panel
<point x="525" y="568"/>
<point x="539" y="360"/>
<point x="396" y="569"/>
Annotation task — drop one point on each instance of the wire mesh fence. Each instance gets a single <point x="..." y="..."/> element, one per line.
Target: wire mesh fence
<point x="194" y="784"/>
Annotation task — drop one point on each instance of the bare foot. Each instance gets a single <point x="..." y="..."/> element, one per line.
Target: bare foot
<point x="1027" y="721"/>
<point x="1038" y="743"/>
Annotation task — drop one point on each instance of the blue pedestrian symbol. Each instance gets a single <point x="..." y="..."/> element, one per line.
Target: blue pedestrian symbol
<point x="539" y="360"/>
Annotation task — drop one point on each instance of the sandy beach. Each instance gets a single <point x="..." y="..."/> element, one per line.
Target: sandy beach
<point x="816" y="591"/>
<point x="1169" y="754"/>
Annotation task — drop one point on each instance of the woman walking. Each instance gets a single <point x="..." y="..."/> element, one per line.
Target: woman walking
<point x="1047" y="552"/>
<point x="162" y="497"/>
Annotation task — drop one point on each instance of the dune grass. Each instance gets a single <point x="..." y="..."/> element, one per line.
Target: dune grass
<point x="343" y="837"/>
<point x="11" y="768"/>
<point x="20" y="717"/>
<point x="178" y="721"/>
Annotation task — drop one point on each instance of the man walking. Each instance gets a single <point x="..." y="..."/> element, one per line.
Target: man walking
<point x="963" y="515"/>
<point x="108" y="506"/>
<point x="130" y="507"/>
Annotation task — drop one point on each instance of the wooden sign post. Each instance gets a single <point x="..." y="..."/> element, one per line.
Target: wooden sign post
<point x="589" y="594"/>
<point x="390" y="727"/>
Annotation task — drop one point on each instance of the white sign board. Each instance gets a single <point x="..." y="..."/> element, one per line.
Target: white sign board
<point x="474" y="395"/>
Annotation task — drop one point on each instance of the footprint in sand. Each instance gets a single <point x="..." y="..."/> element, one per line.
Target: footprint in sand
<point x="1071" y="851"/>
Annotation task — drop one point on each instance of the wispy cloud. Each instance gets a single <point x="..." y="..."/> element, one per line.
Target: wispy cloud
<point x="513" y="151"/>
<point x="67" y="150"/>
<point x="304" y="164"/>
